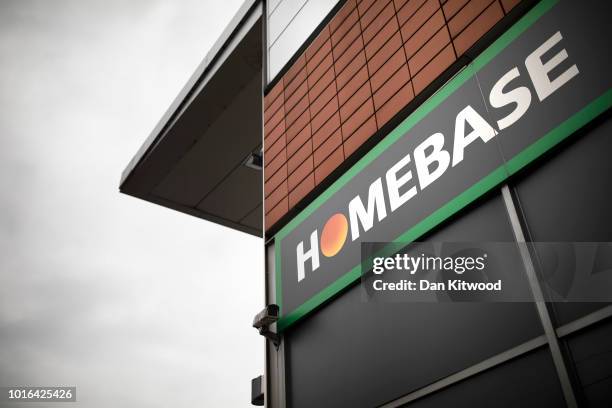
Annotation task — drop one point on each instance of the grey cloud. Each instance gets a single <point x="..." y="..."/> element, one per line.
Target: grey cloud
<point x="123" y="299"/>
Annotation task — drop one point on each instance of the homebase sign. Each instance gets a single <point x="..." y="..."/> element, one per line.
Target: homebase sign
<point x="536" y="85"/>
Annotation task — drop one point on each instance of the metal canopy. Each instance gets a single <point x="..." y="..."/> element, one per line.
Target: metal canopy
<point x="193" y="160"/>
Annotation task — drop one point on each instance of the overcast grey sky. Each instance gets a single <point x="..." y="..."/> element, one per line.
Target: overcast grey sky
<point x="136" y="305"/>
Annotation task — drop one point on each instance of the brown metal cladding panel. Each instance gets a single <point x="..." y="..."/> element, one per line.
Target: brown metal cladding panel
<point x="395" y="104"/>
<point x="298" y="125"/>
<point x="347" y="41"/>
<point x="348" y="57"/>
<point x="360" y="116"/>
<point x="319" y="86"/>
<point x="317" y="43"/>
<point x="327" y="147"/>
<point x="429" y="51"/>
<point x="478" y="27"/>
<point x="433" y="69"/>
<point x="509" y="4"/>
<point x="452" y="7"/>
<point x="388" y="69"/>
<point x="298" y="158"/>
<point x="275" y="180"/>
<point x="329" y="164"/>
<point x="379" y="39"/>
<point x="300" y="173"/>
<point x="322" y="100"/>
<point x="301" y="190"/>
<point x="375" y="46"/>
<point x="363" y="133"/>
<point x="296" y="111"/>
<point x="394" y="84"/>
<point x="349" y="72"/>
<point x="399" y="4"/>
<point x="274" y="93"/>
<point x="293" y="88"/>
<point x="352" y="19"/>
<point x="343" y="77"/>
<point x="326" y="130"/>
<point x="328" y="110"/>
<point x="386" y="52"/>
<point x="298" y="140"/>
<point x="360" y="78"/>
<point x="275" y="214"/>
<point x="273" y="108"/>
<point x="271" y="151"/>
<point x="293" y="72"/>
<point x="423" y="34"/>
<point x="342" y="15"/>
<point x="318" y="56"/>
<point x="384" y="21"/>
<point x="466" y="15"/>
<point x="370" y="9"/>
<point x="275" y="164"/>
<point x="317" y="74"/>
<point x="277" y="195"/>
<point x="409" y="9"/>
<point x="292" y="102"/>
<point x="419" y="18"/>
<point x="355" y="102"/>
<point x="273" y="135"/>
<point x="277" y="118"/>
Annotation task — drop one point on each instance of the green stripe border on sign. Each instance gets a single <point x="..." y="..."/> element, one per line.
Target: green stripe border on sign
<point x="552" y="138"/>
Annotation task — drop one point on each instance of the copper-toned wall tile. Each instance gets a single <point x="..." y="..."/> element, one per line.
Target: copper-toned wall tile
<point x="300" y="173"/>
<point x="359" y="136"/>
<point x="327" y="147"/>
<point x="466" y="15"/>
<point x="328" y="165"/>
<point x="395" y="104"/>
<point x="478" y="27"/>
<point x="433" y="69"/>
<point x="364" y="67"/>
<point x="301" y="190"/>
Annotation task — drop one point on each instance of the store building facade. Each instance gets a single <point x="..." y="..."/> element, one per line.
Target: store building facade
<point x="404" y="120"/>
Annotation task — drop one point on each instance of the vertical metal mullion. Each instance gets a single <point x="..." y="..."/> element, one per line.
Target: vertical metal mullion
<point x="534" y="284"/>
<point x="274" y="365"/>
<point x="275" y="357"/>
<point x="264" y="82"/>
<point x="281" y="375"/>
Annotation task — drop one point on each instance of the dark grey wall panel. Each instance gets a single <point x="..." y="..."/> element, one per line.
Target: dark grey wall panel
<point x="567" y="196"/>
<point x="529" y="381"/>
<point x="357" y="354"/>
<point x="591" y="351"/>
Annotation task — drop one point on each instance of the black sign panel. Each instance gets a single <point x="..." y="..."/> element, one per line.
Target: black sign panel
<point x="539" y="82"/>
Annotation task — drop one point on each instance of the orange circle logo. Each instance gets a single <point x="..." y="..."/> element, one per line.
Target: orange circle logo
<point x="334" y="235"/>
